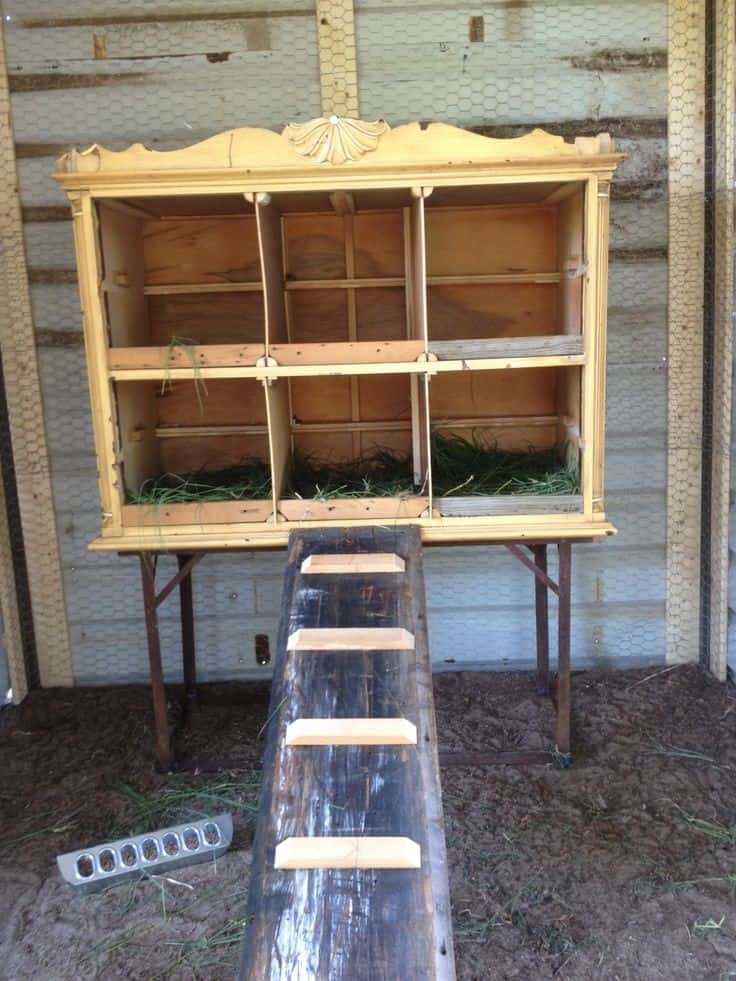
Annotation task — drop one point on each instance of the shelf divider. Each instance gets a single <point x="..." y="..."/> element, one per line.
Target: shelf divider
<point x="268" y="221"/>
<point x="418" y="270"/>
<point x="279" y="437"/>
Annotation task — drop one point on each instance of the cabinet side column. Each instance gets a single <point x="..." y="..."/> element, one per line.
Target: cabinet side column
<point x="592" y="403"/>
<point x="95" y="340"/>
<point x="597" y="435"/>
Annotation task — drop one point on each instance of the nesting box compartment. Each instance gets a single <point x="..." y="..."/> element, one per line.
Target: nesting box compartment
<point x="260" y="300"/>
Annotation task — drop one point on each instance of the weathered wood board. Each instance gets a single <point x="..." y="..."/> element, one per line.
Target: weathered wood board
<point x="350" y="924"/>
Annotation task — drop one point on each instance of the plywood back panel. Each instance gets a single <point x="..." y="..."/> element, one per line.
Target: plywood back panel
<point x="517" y="437"/>
<point x="123" y="274"/>
<point x="325" y="399"/>
<point x="332" y="447"/>
<point x="474" y="241"/>
<point x="484" y="311"/>
<point x="381" y="314"/>
<point x="222" y="318"/>
<point x="201" y="250"/>
<point x="318" y="316"/>
<point x="210" y="452"/>
<point x="379" y="243"/>
<point x="315" y="246"/>
<point x="570" y="252"/>
<point x="340" y="446"/>
<point x="226" y="401"/>
<point x="395" y="440"/>
<point x="384" y="398"/>
<point x="482" y="394"/>
<point x="137" y="418"/>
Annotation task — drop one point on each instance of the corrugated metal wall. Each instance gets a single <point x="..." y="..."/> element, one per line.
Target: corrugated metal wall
<point x="167" y="74"/>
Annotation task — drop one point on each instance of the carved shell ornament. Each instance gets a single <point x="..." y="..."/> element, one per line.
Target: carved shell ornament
<point x="335" y="139"/>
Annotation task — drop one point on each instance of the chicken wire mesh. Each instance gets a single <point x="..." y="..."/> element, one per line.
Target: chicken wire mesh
<point x="718" y="640"/>
<point x="169" y="73"/>
<point x="17" y="640"/>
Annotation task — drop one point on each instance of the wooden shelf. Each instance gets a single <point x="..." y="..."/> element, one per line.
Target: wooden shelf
<point x="194" y="432"/>
<point x="374" y="508"/>
<point x="341" y="370"/>
<point x="213" y="370"/>
<point x="167" y="359"/>
<point x="379" y="282"/>
<point x="349" y="352"/>
<point x="394" y="425"/>
<point x="343" y="284"/>
<point x="205" y="514"/>
<point x="549" y="346"/>
<point x="170" y="289"/>
<point x="500" y="504"/>
<point x="351" y="357"/>
<point x="436" y="530"/>
<point x="494" y="278"/>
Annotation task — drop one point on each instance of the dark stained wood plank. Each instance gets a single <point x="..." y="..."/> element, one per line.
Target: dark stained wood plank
<point x="351" y="925"/>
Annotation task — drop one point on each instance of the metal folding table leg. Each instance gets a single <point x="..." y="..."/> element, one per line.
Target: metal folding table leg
<point x="164" y="749"/>
<point x="564" y="692"/>
<point x="189" y="659"/>
<point x="541" y="595"/>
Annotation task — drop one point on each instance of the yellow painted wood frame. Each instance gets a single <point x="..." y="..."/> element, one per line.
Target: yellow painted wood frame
<point x="342" y="159"/>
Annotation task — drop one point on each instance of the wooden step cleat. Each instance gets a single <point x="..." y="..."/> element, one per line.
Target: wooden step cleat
<point x="351" y="732"/>
<point x="369" y="852"/>
<point x="351" y="639"/>
<point x="353" y="563"/>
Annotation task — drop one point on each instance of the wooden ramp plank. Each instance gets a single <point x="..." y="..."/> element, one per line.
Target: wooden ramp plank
<point x="353" y="563"/>
<point x="348" y="924"/>
<point x="351" y="639"/>
<point x="351" y="732"/>
<point x="348" y="852"/>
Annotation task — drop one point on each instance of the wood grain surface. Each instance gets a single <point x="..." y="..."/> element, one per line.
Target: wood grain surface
<point x="351" y="924"/>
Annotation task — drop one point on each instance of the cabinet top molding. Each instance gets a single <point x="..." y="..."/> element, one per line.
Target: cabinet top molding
<point x="339" y="144"/>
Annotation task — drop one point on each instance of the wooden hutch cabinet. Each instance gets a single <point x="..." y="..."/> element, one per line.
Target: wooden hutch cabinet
<point x="333" y="291"/>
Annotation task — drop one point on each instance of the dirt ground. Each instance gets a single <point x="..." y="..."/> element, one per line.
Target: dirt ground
<point x="623" y="867"/>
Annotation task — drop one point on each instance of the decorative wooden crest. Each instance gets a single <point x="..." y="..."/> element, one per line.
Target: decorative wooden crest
<point x="335" y="139"/>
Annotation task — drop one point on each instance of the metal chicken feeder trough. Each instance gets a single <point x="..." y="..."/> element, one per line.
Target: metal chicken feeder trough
<point x="91" y="869"/>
